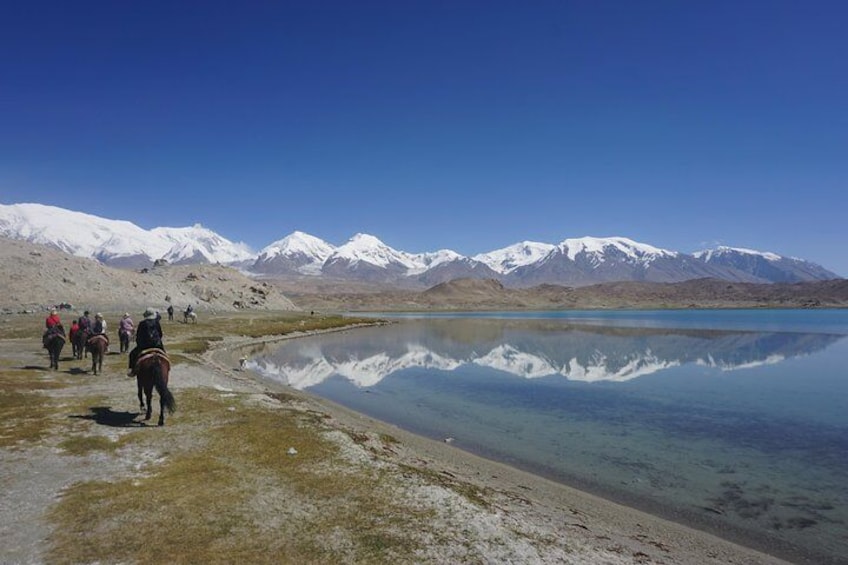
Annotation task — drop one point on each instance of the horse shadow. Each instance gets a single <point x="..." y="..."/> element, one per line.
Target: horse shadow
<point x="35" y="368"/>
<point x="105" y="416"/>
<point x="76" y="371"/>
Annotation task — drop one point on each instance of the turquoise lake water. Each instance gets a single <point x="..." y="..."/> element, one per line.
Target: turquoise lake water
<point x="733" y="421"/>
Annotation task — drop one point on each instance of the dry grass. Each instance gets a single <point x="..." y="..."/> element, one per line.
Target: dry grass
<point x="316" y="507"/>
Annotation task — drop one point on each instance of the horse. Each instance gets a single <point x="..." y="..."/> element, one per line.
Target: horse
<point x="152" y="370"/>
<point x="97" y="345"/>
<point x="80" y="338"/>
<point x="189" y="316"/>
<point x="54" y="342"/>
<point x="124" y="337"/>
<point x="72" y="337"/>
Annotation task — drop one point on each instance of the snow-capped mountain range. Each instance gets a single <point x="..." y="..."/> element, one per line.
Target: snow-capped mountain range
<point x="572" y="262"/>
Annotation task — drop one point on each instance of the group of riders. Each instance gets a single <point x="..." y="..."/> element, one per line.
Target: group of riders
<point x="148" y="334"/>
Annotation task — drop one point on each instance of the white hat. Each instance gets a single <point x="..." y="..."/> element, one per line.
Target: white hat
<point x="149" y="314"/>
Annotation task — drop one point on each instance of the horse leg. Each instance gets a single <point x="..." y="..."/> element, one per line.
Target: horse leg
<point x="140" y="395"/>
<point x="148" y="393"/>
<point x="161" y="410"/>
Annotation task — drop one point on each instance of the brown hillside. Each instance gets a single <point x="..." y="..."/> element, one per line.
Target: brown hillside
<point x="471" y="294"/>
<point x="33" y="277"/>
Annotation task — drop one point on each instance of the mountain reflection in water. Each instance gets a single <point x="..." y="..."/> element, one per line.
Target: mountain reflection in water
<point x="728" y="430"/>
<point x="527" y="350"/>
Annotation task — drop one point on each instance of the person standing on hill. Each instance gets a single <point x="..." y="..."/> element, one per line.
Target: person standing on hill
<point x="170" y="312"/>
<point x="148" y="335"/>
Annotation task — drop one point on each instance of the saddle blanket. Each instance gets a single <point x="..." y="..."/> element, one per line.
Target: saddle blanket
<point x="153" y="352"/>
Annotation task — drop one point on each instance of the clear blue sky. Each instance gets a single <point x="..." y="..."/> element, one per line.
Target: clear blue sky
<point x="437" y="124"/>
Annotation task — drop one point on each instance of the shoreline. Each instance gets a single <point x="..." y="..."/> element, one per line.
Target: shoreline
<point x="634" y="518"/>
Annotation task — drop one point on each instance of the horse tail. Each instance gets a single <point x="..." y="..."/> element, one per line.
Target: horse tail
<point x="162" y="387"/>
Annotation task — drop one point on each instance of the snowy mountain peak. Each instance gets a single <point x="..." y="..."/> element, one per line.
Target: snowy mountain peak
<point x="299" y="242"/>
<point x="369" y="249"/>
<point x="710" y="254"/>
<point x="599" y="246"/>
<point x="115" y="241"/>
<point x="508" y="259"/>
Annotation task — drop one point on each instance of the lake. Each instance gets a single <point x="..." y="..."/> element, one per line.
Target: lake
<point x="733" y="421"/>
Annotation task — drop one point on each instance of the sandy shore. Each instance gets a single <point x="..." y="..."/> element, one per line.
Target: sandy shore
<point x="608" y="532"/>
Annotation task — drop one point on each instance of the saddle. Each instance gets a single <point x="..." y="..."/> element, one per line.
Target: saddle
<point x="98" y="336"/>
<point x="150" y="353"/>
<point x="55" y="331"/>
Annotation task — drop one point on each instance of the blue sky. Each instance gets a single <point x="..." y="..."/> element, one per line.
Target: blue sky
<point x="462" y="125"/>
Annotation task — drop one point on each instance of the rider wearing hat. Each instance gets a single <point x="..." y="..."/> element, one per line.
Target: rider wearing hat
<point x="148" y="335"/>
<point x="99" y="328"/>
<point x="99" y="324"/>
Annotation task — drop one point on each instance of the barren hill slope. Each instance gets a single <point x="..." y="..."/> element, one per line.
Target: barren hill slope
<point x="474" y="294"/>
<point x="33" y="277"/>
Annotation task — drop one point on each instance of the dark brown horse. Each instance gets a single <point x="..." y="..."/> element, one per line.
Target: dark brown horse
<point x="54" y="342"/>
<point x="97" y="346"/>
<point x="80" y="338"/>
<point x="152" y="370"/>
<point x="124" y="337"/>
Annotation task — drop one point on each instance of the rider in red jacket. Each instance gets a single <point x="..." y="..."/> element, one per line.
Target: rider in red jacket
<point x="52" y="319"/>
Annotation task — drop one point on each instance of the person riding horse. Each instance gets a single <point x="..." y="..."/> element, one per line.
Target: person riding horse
<point x="148" y="335"/>
<point x="84" y="322"/>
<point x="50" y="323"/>
<point x="99" y="328"/>
<point x="52" y="319"/>
<point x="54" y="340"/>
<point x="126" y="327"/>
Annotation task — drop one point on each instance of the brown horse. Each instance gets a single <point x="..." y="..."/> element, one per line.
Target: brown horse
<point x="54" y="342"/>
<point x="80" y="338"/>
<point x="97" y="345"/>
<point x="152" y="370"/>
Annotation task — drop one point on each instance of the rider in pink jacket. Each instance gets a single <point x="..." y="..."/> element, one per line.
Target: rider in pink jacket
<point x="125" y="326"/>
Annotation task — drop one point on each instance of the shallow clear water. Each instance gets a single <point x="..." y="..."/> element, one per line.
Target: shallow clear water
<point x="733" y="421"/>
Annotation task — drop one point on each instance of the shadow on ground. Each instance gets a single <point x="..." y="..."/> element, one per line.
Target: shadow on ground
<point x="105" y="416"/>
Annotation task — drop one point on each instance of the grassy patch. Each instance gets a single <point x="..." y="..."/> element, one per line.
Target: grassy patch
<point x="238" y="496"/>
<point x="82" y="445"/>
<point x="25" y="412"/>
